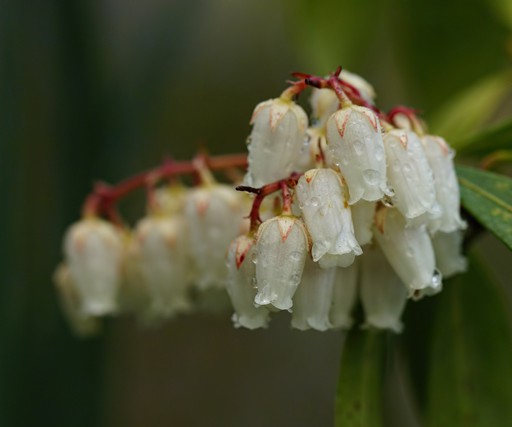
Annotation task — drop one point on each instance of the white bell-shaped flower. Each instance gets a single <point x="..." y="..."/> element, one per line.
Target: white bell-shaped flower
<point x="281" y="248"/>
<point x="94" y="251"/>
<point x="241" y="285"/>
<point x="410" y="176"/>
<point x="363" y="216"/>
<point x="355" y="144"/>
<point x="276" y="141"/>
<point x="448" y="250"/>
<point x="313" y="299"/>
<point x="344" y="296"/>
<point x="383" y="294"/>
<point x="324" y="103"/>
<point x="440" y="158"/>
<point x="164" y="263"/>
<point x="215" y="215"/>
<point x="325" y="211"/>
<point x="170" y="199"/>
<point x="82" y="324"/>
<point x="408" y="250"/>
<point x="365" y="89"/>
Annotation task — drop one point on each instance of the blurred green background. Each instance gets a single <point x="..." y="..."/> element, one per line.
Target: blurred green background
<point x="101" y="89"/>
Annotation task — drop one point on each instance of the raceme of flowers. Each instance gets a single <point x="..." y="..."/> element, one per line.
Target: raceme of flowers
<point x="354" y="205"/>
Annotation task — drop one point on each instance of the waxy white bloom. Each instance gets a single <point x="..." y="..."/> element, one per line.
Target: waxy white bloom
<point x="410" y="176"/>
<point x="324" y="102"/>
<point x="440" y="158"/>
<point x="448" y="249"/>
<point x="170" y="199"/>
<point x="82" y="324"/>
<point x="214" y="214"/>
<point x="163" y="263"/>
<point x="94" y="251"/>
<point x="383" y="294"/>
<point x="241" y="285"/>
<point x="365" y="89"/>
<point x="281" y="248"/>
<point x="276" y="141"/>
<point x="408" y="250"/>
<point x="313" y="299"/>
<point x="344" y="296"/>
<point x="363" y="216"/>
<point x="355" y="144"/>
<point x="322" y="199"/>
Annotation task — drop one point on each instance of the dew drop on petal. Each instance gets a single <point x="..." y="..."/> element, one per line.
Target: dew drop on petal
<point x="314" y="201"/>
<point x="295" y="256"/>
<point x="358" y="147"/>
<point x="371" y="176"/>
<point x="436" y="279"/>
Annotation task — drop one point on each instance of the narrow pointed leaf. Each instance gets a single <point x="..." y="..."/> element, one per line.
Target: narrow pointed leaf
<point x="470" y="369"/>
<point x="488" y="196"/>
<point x="359" y="397"/>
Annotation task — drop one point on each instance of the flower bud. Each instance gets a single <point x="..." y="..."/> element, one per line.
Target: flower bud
<point x="365" y="89"/>
<point x="355" y="144"/>
<point x="344" y="296"/>
<point x="327" y="216"/>
<point x="383" y="295"/>
<point x="214" y="214"/>
<point x="440" y="159"/>
<point x="82" y="324"/>
<point x="448" y="250"/>
<point x="276" y="141"/>
<point x="324" y="103"/>
<point x="163" y="262"/>
<point x="313" y="299"/>
<point x="410" y="176"/>
<point x="170" y="199"/>
<point x="281" y="249"/>
<point x="94" y="252"/>
<point x="408" y="250"/>
<point x="241" y="285"/>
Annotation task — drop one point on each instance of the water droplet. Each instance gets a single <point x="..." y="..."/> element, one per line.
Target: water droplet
<point x="371" y="176"/>
<point x="248" y="140"/>
<point x="314" y="201"/>
<point x="358" y="147"/>
<point x="295" y="256"/>
<point x="437" y="279"/>
<point x="254" y="258"/>
<point x="379" y="153"/>
<point x="409" y="252"/>
<point x="388" y="201"/>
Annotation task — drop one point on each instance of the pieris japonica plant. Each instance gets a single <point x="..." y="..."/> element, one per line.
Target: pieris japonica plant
<point x="351" y="205"/>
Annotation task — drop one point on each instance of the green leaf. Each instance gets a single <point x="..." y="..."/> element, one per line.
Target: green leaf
<point x="488" y="196"/>
<point x="466" y="113"/>
<point x="490" y="139"/>
<point x="471" y="354"/>
<point x="359" y="397"/>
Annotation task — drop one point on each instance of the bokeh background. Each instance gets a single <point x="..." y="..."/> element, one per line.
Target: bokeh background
<point x="101" y="89"/>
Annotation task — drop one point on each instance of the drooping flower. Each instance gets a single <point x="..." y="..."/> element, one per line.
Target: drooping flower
<point x="356" y="148"/>
<point x="322" y="199"/>
<point x="241" y="285"/>
<point x="313" y="299"/>
<point x="410" y="176"/>
<point x="440" y="158"/>
<point x="383" y="294"/>
<point x="363" y="214"/>
<point x="408" y="250"/>
<point x="276" y="141"/>
<point x="448" y="249"/>
<point x="281" y="248"/>
<point x="344" y="296"/>
<point x="94" y="251"/>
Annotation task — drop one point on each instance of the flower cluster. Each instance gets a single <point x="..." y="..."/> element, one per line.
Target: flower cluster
<point x="354" y="205"/>
<point x="369" y="209"/>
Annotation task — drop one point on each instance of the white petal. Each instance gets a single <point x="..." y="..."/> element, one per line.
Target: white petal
<point x="327" y="215"/>
<point x="94" y="251"/>
<point x="281" y="250"/>
<point x="241" y="285"/>
<point x="365" y="89"/>
<point x="355" y="144"/>
<point x="344" y="296"/>
<point x="410" y="175"/>
<point x="448" y="249"/>
<point x="164" y="264"/>
<point x="214" y="214"/>
<point x="276" y="141"/>
<point x="408" y="250"/>
<point x="440" y="159"/>
<point x="363" y="215"/>
<point x="313" y="299"/>
<point x="383" y="295"/>
<point x="324" y="103"/>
